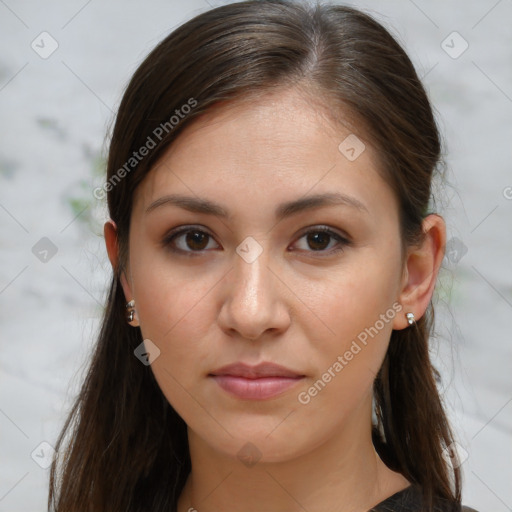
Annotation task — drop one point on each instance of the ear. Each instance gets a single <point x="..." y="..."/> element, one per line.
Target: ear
<point x="110" y="233"/>
<point x="422" y="267"/>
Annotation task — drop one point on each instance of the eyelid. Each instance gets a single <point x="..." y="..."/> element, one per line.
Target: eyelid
<point x="185" y="228"/>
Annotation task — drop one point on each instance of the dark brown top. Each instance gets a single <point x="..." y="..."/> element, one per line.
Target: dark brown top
<point x="410" y="500"/>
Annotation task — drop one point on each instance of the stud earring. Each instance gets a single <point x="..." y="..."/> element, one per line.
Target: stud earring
<point x="131" y="314"/>
<point x="410" y="318"/>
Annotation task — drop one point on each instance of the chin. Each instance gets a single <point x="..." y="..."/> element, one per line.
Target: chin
<point x="256" y="446"/>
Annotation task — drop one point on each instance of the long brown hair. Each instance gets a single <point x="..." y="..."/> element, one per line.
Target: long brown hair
<point x="123" y="447"/>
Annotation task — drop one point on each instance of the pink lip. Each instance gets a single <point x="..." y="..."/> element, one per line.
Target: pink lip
<point x="255" y="389"/>
<point x="259" y="382"/>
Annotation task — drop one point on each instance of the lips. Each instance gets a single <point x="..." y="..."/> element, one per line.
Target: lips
<point x="259" y="371"/>
<point x="260" y="382"/>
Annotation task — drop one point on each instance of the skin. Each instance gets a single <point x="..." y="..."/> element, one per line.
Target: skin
<point x="293" y="305"/>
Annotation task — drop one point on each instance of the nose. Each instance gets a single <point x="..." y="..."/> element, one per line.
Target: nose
<point x="254" y="299"/>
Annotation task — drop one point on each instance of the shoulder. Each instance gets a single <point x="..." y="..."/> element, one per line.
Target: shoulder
<point x="410" y="500"/>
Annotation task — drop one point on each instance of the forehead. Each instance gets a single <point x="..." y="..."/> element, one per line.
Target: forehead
<point x="256" y="153"/>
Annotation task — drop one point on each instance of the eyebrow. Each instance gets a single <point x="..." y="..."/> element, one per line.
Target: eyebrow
<point x="205" y="206"/>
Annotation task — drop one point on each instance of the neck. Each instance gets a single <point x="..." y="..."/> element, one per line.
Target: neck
<point x="343" y="473"/>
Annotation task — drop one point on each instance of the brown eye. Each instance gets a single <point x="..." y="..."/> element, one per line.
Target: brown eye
<point x="196" y="240"/>
<point x="188" y="241"/>
<point x="319" y="240"/>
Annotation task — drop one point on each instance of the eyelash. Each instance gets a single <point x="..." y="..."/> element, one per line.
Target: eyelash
<point x="167" y="242"/>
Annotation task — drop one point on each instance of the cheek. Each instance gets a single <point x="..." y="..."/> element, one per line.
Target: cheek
<point x="168" y="294"/>
<point x="355" y="307"/>
<point x="175" y="313"/>
<point x="351" y="300"/>
<point x="175" y="310"/>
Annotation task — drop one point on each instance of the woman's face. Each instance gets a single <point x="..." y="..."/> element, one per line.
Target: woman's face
<point x="253" y="286"/>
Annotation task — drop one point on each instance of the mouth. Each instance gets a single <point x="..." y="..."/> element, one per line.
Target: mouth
<point x="259" y="382"/>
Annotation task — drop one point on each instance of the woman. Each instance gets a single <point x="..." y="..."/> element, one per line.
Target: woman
<point x="265" y="340"/>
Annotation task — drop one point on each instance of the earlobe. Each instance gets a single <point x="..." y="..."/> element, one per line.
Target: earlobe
<point x="422" y="267"/>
